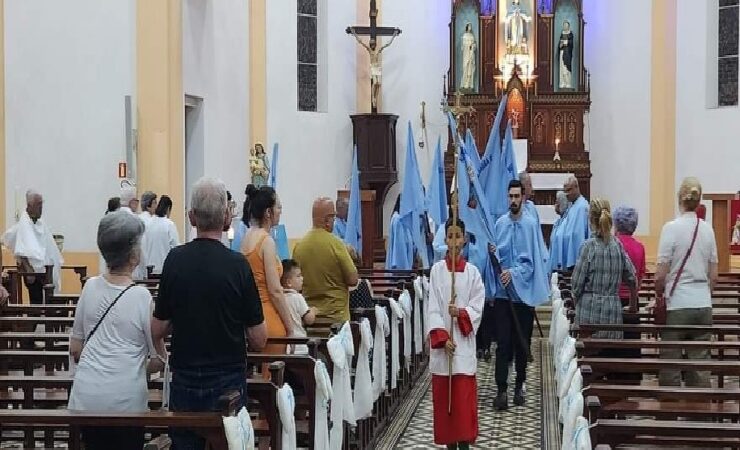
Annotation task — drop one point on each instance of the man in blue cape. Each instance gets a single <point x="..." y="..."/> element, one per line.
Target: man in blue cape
<point x="340" y="222"/>
<point x="522" y="285"/>
<point x="575" y="223"/>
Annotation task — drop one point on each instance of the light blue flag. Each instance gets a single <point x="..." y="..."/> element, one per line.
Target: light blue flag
<point x="507" y="172"/>
<point x="489" y="168"/>
<point x="412" y="200"/>
<point x="273" y="168"/>
<point x="472" y="150"/>
<point x="437" y="191"/>
<point x="281" y="241"/>
<point x="507" y="154"/>
<point x="353" y="234"/>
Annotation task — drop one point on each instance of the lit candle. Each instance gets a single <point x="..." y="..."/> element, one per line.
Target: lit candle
<point x="557" y="143"/>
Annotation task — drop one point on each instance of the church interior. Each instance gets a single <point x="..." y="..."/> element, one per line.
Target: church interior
<point x="421" y="122"/>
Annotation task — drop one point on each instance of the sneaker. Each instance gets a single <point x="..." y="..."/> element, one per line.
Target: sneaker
<point x="519" y="397"/>
<point x="501" y="402"/>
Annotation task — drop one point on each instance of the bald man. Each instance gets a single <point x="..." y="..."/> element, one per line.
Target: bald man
<point x="574" y="223"/>
<point x="340" y="223"/>
<point x="328" y="270"/>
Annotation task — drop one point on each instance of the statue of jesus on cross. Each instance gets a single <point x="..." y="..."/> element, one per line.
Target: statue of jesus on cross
<point x="373" y="31"/>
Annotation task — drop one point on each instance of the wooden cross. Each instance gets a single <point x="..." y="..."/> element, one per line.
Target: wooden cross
<point x="373" y="30"/>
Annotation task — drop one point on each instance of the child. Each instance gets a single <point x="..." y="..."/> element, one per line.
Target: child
<point x="458" y="429"/>
<point x="300" y="313"/>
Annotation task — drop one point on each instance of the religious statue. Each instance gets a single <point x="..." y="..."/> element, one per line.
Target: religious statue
<point x="566" y="56"/>
<point x="259" y="165"/>
<point x="376" y="69"/>
<point x="516" y="33"/>
<point x="469" y="47"/>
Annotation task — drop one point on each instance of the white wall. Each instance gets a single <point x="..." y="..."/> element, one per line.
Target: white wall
<point x="413" y="71"/>
<point x="707" y="140"/>
<point x="68" y="66"/>
<point x="315" y="148"/>
<point x="215" y="39"/>
<point x="617" y="53"/>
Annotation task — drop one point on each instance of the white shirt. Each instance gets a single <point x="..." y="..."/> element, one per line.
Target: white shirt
<point x="470" y="295"/>
<point x="111" y="374"/>
<point x="297" y="307"/>
<point x="33" y="240"/>
<point x="146" y="217"/>
<point x="693" y="289"/>
<point x="159" y="238"/>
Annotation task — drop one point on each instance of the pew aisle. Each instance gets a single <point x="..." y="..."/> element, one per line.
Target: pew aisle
<point x="524" y="428"/>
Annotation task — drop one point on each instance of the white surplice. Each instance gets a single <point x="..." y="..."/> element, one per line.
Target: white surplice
<point x="470" y="297"/>
<point x="341" y="350"/>
<point x="363" y="382"/>
<point x="159" y="238"/>
<point x="321" y="405"/>
<point x="35" y="242"/>
<point x="286" y="408"/>
<point x="396" y="320"/>
<point x="380" y="370"/>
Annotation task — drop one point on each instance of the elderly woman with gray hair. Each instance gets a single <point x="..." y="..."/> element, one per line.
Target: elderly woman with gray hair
<point x="557" y="258"/>
<point x="625" y="224"/>
<point x="111" y="337"/>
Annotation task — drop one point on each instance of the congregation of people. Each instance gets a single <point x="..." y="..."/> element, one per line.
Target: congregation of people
<point x="214" y="303"/>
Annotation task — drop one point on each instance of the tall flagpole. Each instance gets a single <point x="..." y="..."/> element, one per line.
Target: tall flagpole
<point x="458" y="110"/>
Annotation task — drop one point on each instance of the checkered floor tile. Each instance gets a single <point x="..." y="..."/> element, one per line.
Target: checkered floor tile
<point x="517" y="428"/>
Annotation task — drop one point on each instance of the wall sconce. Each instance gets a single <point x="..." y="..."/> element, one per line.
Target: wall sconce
<point x="122" y="170"/>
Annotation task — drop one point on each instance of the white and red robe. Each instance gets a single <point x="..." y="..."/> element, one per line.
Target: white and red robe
<point x="462" y="424"/>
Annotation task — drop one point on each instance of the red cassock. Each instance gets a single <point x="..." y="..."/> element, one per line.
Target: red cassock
<point x="461" y="425"/>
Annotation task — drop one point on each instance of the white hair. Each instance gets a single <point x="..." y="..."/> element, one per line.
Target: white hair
<point x="571" y="180"/>
<point x="562" y="200"/>
<point x="128" y="193"/>
<point x="119" y="237"/>
<point x="209" y="204"/>
<point x="31" y="195"/>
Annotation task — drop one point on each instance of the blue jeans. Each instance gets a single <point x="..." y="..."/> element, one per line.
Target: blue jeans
<point x="198" y="390"/>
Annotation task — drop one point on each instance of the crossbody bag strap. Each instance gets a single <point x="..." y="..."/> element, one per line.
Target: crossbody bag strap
<point x="115" y="300"/>
<point x="685" y="258"/>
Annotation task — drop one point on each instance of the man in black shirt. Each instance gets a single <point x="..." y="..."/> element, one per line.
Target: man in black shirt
<point x="208" y="300"/>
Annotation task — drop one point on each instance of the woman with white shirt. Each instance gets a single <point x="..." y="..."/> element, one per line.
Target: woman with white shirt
<point x="111" y="337"/>
<point x="687" y="290"/>
<point x="160" y="236"/>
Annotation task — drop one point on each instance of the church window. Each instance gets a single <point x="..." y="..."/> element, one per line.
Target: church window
<point x="727" y="52"/>
<point x="308" y="60"/>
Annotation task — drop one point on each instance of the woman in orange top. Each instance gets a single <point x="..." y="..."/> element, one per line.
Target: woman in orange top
<point x="262" y="211"/>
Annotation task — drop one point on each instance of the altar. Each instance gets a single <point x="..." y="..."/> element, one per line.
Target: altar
<point x="532" y="51"/>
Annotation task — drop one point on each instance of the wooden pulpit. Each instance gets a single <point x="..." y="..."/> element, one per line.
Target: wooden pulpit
<point x="369" y="232"/>
<point x="722" y="224"/>
<point x="375" y="138"/>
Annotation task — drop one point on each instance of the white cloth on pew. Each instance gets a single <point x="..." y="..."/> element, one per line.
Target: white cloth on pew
<point x="573" y="409"/>
<point x="567" y="378"/>
<point x="581" y="437"/>
<point x="239" y="431"/>
<point x="363" y="381"/>
<point x="321" y="405"/>
<point x="380" y="369"/>
<point x="556" y="306"/>
<point x="419" y="299"/>
<point x="405" y="301"/>
<point x="562" y="335"/>
<point x="341" y="350"/>
<point x="554" y="280"/>
<point x="575" y="386"/>
<point x="396" y="319"/>
<point x="567" y="352"/>
<point x="425" y="285"/>
<point x="286" y="408"/>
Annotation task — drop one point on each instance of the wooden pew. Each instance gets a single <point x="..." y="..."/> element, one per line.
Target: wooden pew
<point x="654" y="433"/>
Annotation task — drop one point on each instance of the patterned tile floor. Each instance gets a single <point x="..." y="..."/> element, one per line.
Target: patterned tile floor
<point x="517" y="428"/>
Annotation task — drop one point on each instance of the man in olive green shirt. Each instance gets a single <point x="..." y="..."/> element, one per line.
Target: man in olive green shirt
<point x="328" y="270"/>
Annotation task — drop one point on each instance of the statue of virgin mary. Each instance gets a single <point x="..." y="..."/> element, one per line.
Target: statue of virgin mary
<point x="469" y="47"/>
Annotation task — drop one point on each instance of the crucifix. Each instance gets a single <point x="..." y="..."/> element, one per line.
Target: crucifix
<point x="373" y="31"/>
<point x="457" y="108"/>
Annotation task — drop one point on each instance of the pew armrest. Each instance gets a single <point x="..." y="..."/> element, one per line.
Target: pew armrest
<point x="229" y="403"/>
<point x="594" y="407"/>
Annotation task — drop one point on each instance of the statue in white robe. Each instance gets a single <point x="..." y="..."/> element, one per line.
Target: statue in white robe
<point x="469" y="48"/>
<point x="516" y="32"/>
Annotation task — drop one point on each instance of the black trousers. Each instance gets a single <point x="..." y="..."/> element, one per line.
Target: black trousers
<point x="486" y="330"/>
<point x="35" y="289"/>
<point x="509" y="342"/>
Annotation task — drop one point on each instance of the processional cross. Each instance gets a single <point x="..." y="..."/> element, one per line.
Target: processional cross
<point x="457" y="109"/>
<point x="373" y="31"/>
